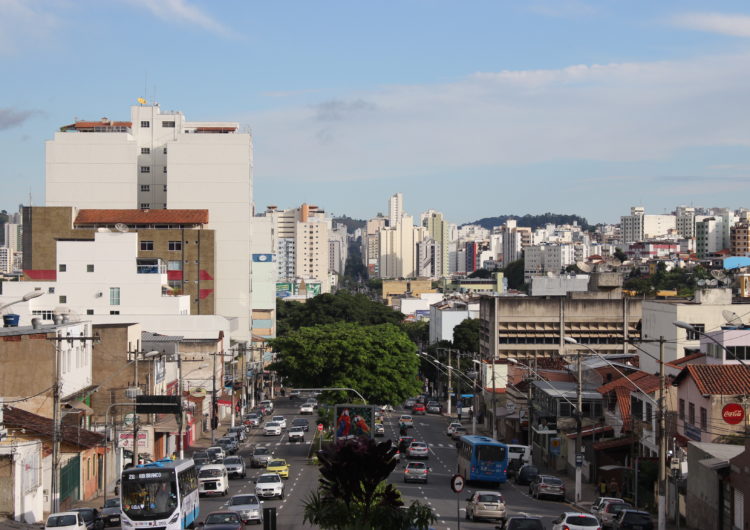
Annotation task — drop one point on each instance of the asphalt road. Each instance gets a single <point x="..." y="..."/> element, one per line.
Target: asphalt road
<point x="437" y="493"/>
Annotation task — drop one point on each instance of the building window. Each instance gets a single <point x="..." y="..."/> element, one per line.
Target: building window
<point x="114" y="296"/>
<point x="114" y="312"/>
<point x="51" y="290"/>
<point x="165" y="169"/>
<point x="145" y="150"/>
<point x="145" y="169"/>
<point x="649" y="413"/>
<point x="682" y="409"/>
<point x="691" y="414"/>
<point x="145" y="187"/>
<point x="704" y="419"/>
<point x="147" y="245"/>
<point x="168" y="124"/>
<point x="165" y="191"/>
<point x="696" y="335"/>
<point x="45" y="314"/>
<point x="89" y="311"/>
<point x="62" y="267"/>
<point x="90" y="268"/>
<point x="165" y="150"/>
<point x="175" y="245"/>
<point x="174" y="265"/>
<point x="63" y="299"/>
<point x="145" y="124"/>
<point x="145" y="206"/>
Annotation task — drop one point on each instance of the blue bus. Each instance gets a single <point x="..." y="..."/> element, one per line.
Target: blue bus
<point x="160" y="494"/>
<point x="482" y="459"/>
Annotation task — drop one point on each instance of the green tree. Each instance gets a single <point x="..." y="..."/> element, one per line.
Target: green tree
<point x="419" y="331"/>
<point x="379" y="361"/>
<point x="514" y="272"/>
<point x="481" y="273"/>
<point x="353" y="493"/>
<point x="330" y="308"/>
<point x="619" y="254"/>
<point x="466" y="335"/>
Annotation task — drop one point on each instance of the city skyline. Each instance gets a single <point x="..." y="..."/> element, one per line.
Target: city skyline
<point x="473" y="111"/>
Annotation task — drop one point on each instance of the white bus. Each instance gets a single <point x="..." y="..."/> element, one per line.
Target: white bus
<point x="160" y="494"/>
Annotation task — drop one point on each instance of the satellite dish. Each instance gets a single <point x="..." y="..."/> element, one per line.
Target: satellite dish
<point x="627" y="263"/>
<point x="718" y="274"/>
<point x="701" y="283"/>
<point x="121" y="227"/>
<point x="550" y="274"/>
<point x="583" y="266"/>
<point x="732" y="318"/>
<point x="615" y="262"/>
<point x="712" y="283"/>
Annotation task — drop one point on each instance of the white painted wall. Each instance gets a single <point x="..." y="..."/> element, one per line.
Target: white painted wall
<point x="28" y="501"/>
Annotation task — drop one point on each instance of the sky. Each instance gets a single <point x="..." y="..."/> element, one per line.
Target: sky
<point x="475" y="109"/>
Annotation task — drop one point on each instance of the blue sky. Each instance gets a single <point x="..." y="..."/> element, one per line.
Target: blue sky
<point x="475" y="109"/>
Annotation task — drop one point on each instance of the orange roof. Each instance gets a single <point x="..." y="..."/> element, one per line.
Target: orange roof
<point x="216" y="129"/>
<point x="141" y="217"/>
<point x="683" y="360"/>
<point x="717" y="379"/>
<point x="647" y="382"/>
<point x="92" y="124"/>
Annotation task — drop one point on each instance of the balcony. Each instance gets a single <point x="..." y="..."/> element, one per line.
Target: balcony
<point x="150" y="266"/>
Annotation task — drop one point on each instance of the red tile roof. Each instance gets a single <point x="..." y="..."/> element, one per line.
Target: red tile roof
<point x="92" y="124"/>
<point x="33" y="423"/>
<point x="611" y="444"/>
<point x="683" y="360"/>
<point x="141" y="217"/>
<point x="647" y="382"/>
<point x="717" y="379"/>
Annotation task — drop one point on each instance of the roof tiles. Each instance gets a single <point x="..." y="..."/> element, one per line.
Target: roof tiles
<point x="717" y="379"/>
<point x="141" y="217"/>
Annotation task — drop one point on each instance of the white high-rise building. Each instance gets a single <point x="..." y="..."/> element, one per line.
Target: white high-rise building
<point x="12" y="234"/>
<point x="395" y="208"/>
<point x="338" y="249"/>
<point x="438" y="230"/>
<point x="398" y="247"/>
<point x="638" y="226"/>
<point x="160" y="160"/>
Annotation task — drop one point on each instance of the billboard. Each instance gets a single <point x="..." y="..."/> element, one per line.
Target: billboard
<point x="353" y="421"/>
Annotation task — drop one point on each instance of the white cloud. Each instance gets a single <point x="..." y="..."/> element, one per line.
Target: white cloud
<point x="735" y="25"/>
<point x="181" y="10"/>
<point x="614" y="112"/>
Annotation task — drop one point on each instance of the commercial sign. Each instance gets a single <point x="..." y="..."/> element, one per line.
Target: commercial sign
<point x="353" y="421"/>
<point x="733" y="413"/>
<point x="125" y="440"/>
<point x="693" y="432"/>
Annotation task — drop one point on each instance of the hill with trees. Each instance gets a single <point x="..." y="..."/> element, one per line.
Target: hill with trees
<point x="533" y="221"/>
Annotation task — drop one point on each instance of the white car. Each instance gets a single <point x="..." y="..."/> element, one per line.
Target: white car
<point x="306" y="408"/>
<point x="266" y="404"/>
<point x="575" y="521"/>
<point x="213" y="479"/>
<point x="297" y="434"/>
<point x="452" y="427"/>
<point x="281" y="420"/>
<point x="272" y="429"/>
<point x="66" y="521"/>
<point x="269" y="485"/>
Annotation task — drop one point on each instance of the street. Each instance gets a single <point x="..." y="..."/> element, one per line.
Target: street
<point x="437" y="493"/>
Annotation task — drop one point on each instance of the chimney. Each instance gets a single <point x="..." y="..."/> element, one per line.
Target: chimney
<point x="36" y="323"/>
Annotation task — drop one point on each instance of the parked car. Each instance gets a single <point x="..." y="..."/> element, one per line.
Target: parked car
<point x="110" y="512"/>
<point x="418" y="450"/>
<point x="301" y="422"/>
<point x="65" y="521"/>
<point x="269" y="485"/>
<point x="223" y="520"/>
<point x="433" y="407"/>
<point x="526" y="474"/>
<point x="522" y="522"/>
<point x="418" y="408"/>
<point x="235" y="466"/>
<point x="609" y="512"/>
<point x="416" y="472"/>
<point x="272" y="428"/>
<point x="452" y="427"/>
<point x="296" y="434"/>
<point x="261" y="456"/>
<point x="548" y="486"/>
<point x="601" y="502"/>
<point x="91" y="517"/>
<point x="248" y="507"/>
<point x="633" y="520"/>
<point x="575" y="521"/>
<point x="486" y="505"/>
<point x="306" y="408"/>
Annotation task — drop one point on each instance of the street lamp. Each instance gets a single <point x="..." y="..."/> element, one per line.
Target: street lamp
<point x="25" y="298"/>
<point x="136" y="393"/>
<point x="690" y="327"/>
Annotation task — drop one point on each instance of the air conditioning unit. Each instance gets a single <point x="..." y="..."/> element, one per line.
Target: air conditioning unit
<point x="99" y="294"/>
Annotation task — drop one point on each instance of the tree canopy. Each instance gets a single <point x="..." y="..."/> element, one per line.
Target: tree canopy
<point x="514" y="272"/>
<point x="533" y="221"/>
<point x="330" y="308"/>
<point x="379" y="361"/>
<point x="684" y="281"/>
<point x="466" y="335"/>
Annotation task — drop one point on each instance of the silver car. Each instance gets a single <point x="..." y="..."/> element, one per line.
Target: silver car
<point x="418" y="450"/>
<point x="248" y="507"/>
<point x="261" y="457"/>
<point x="486" y="505"/>
<point x="235" y="466"/>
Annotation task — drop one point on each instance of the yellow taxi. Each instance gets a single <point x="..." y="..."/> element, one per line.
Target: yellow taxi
<point x="279" y="466"/>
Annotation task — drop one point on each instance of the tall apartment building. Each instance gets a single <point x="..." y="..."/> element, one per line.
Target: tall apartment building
<point x="395" y="208"/>
<point x="264" y="277"/>
<point x="371" y="245"/>
<point x="338" y="249"/>
<point x="514" y="238"/>
<point x="398" y="247"/>
<point x="7" y="256"/>
<point x="429" y="258"/>
<point x="160" y="160"/>
<point x="709" y="236"/>
<point x="438" y="230"/>
<point x="738" y="239"/>
<point x="638" y="226"/>
<point x="12" y="234"/>
<point x="685" y="221"/>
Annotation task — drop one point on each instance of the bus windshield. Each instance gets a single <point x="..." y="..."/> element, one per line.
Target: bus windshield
<point x="148" y="499"/>
<point x="490" y="453"/>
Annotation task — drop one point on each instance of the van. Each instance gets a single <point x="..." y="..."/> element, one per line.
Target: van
<point x="213" y="479"/>
<point x="523" y="451"/>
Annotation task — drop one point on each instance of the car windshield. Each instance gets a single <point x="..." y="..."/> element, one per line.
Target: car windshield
<point x="416" y="465"/>
<point x="637" y="518"/>
<point x="260" y="451"/>
<point x="148" y="495"/>
<point x="420" y="445"/>
<point x="244" y="499"/>
<point x="276" y="463"/>
<point x="525" y="524"/>
<point x="208" y="473"/>
<point x="269" y="478"/>
<point x="278" y="418"/>
<point x="222" y="518"/>
<point x="62" y="520"/>
<point x="489" y="497"/>
<point x="112" y="503"/>
<point x="271" y="425"/>
<point x="232" y="460"/>
<point x="614" y="507"/>
<point x="552" y="481"/>
<point x="582" y="520"/>
<point x="86" y="513"/>
<point x="296" y="429"/>
<point x="532" y="470"/>
<point x="300" y="422"/>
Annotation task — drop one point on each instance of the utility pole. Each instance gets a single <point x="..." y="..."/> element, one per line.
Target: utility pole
<point x="214" y="404"/>
<point x="662" y="501"/>
<point x="181" y="417"/>
<point x="135" y="415"/>
<point x="449" y="381"/>
<point x="579" y="412"/>
<point x="494" y="399"/>
<point x="55" y="483"/>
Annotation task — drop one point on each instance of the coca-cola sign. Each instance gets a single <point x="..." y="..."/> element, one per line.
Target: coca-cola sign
<point x="733" y="413"/>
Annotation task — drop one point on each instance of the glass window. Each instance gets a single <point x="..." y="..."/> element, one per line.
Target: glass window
<point x="696" y="335"/>
<point x="174" y="265"/>
<point x="691" y="414"/>
<point x="62" y="267"/>
<point x="114" y="312"/>
<point x="90" y="268"/>
<point x="682" y="409"/>
<point x="704" y="419"/>
<point x="89" y="311"/>
<point x="145" y="169"/>
<point x="147" y="245"/>
<point x="175" y="245"/>
<point x="145" y="187"/>
<point x="63" y="299"/>
<point x="145" y="151"/>
<point x="145" y="206"/>
<point x="169" y="124"/>
<point x="164" y="171"/>
<point x="114" y="296"/>
<point x="51" y="290"/>
<point x="145" y="124"/>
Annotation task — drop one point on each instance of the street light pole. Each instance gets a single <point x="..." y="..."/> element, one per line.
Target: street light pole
<point x="579" y="422"/>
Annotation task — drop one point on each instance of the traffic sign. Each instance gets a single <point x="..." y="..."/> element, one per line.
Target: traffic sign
<point x="457" y="483"/>
<point x="579" y="459"/>
<point x="320" y="427"/>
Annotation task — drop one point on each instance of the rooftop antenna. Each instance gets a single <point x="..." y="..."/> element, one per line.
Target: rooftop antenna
<point x="732" y="318"/>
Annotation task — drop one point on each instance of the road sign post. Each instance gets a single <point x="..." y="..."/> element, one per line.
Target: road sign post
<point x="457" y="485"/>
<point x="320" y="436"/>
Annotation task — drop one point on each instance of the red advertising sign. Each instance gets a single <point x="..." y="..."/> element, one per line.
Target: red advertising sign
<point x="733" y="413"/>
<point x="320" y="427"/>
